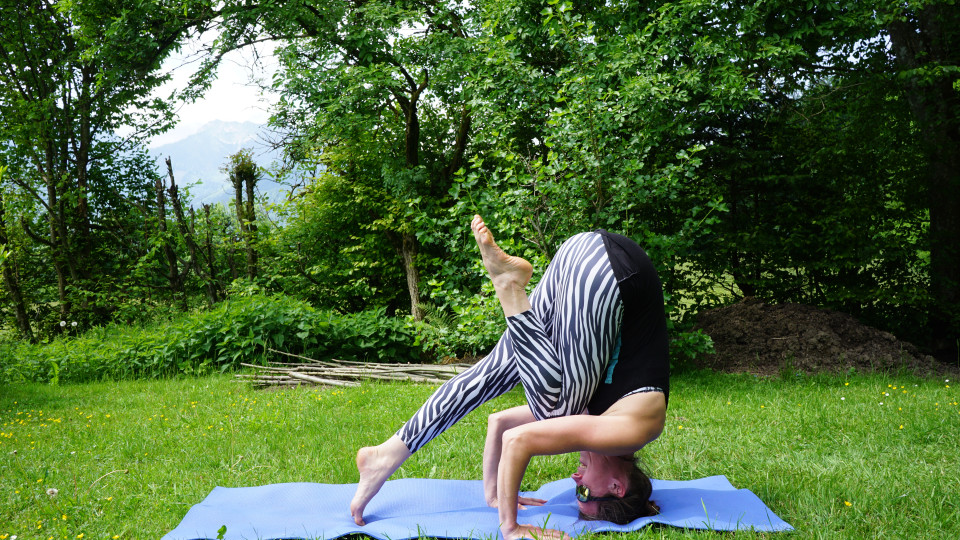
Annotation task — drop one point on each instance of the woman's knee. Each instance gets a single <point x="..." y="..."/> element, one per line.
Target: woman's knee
<point x="510" y="418"/>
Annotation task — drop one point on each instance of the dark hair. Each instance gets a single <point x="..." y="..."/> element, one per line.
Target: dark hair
<point x="635" y="503"/>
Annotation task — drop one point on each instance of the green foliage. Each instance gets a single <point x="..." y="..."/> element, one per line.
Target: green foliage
<point x="739" y="144"/>
<point x="798" y="152"/>
<point x="332" y="255"/>
<point x="241" y="329"/>
<point x="460" y="325"/>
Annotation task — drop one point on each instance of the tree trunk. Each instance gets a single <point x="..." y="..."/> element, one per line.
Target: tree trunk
<point x="460" y="146"/>
<point x="12" y="284"/>
<point x="408" y="241"/>
<point x="213" y="285"/>
<point x="232" y="261"/>
<point x="408" y="250"/>
<point x="243" y="177"/>
<point x="173" y="267"/>
<point x="188" y="232"/>
<point x="251" y="228"/>
<point x="82" y="152"/>
<point x="931" y="38"/>
<point x="56" y="239"/>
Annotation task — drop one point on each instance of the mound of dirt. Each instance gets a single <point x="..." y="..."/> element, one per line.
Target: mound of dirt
<point x="768" y="339"/>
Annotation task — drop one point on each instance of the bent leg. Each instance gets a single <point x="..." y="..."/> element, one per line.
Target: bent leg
<point x="562" y="345"/>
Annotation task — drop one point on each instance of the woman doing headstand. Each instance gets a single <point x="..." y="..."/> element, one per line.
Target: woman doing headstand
<point x="589" y="346"/>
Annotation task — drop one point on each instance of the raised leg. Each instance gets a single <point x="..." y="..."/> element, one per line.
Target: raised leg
<point x="561" y="337"/>
<point x="510" y="274"/>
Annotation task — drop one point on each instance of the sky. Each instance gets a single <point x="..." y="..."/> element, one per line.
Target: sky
<point x="232" y="97"/>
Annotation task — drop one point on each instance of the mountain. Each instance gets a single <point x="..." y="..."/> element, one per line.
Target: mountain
<point x="199" y="158"/>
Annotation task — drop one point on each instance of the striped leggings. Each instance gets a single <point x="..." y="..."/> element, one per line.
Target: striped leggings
<point x="558" y="350"/>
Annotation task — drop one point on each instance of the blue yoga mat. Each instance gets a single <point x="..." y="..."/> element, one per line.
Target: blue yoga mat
<point x="411" y="508"/>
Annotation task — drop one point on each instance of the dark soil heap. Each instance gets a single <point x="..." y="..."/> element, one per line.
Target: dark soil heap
<point x="765" y="339"/>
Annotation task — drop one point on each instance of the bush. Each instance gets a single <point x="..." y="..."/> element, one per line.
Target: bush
<point x="241" y="329"/>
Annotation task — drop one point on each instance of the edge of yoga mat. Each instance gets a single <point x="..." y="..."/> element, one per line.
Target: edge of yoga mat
<point x="411" y="508"/>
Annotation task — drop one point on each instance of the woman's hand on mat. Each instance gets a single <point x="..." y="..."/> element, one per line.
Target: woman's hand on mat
<point x="522" y="502"/>
<point x="530" y="531"/>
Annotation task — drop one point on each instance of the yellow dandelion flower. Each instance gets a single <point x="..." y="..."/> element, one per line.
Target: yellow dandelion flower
<point x="848" y="503"/>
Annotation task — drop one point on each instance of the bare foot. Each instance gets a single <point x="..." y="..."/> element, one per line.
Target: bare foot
<point x="376" y="464"/>
<point x="505" y="270"/>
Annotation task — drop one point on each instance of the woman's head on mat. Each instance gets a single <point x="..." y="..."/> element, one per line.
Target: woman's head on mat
<point x="612" y="488"/>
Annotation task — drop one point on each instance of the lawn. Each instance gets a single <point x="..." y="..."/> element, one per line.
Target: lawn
<point x="863" y="456"/>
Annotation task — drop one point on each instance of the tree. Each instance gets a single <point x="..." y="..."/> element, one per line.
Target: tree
<point x="71" y="74"/>
<point x="769" y="142"/>
<point x="385" y="68"/>
<point x="244" y="174"/>
<point x="925" y="39"/>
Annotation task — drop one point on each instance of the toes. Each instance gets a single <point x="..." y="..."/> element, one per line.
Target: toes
<point x="357" y="514"/>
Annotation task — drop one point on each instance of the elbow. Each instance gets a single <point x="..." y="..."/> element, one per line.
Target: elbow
<point x="651" y="430"/>
<point x="495" y="422"/>
<point x="653" y="434"/>
<point x="515" y="442"/>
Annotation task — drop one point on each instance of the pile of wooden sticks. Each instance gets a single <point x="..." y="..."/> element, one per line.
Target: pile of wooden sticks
<point x="307" y="371"/>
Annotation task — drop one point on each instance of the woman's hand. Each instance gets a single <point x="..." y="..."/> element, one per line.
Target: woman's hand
<point x="522" y="502"/>
<point x="529" y="531"/>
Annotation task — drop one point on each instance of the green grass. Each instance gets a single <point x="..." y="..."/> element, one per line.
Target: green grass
<point x="129" y="459"/>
